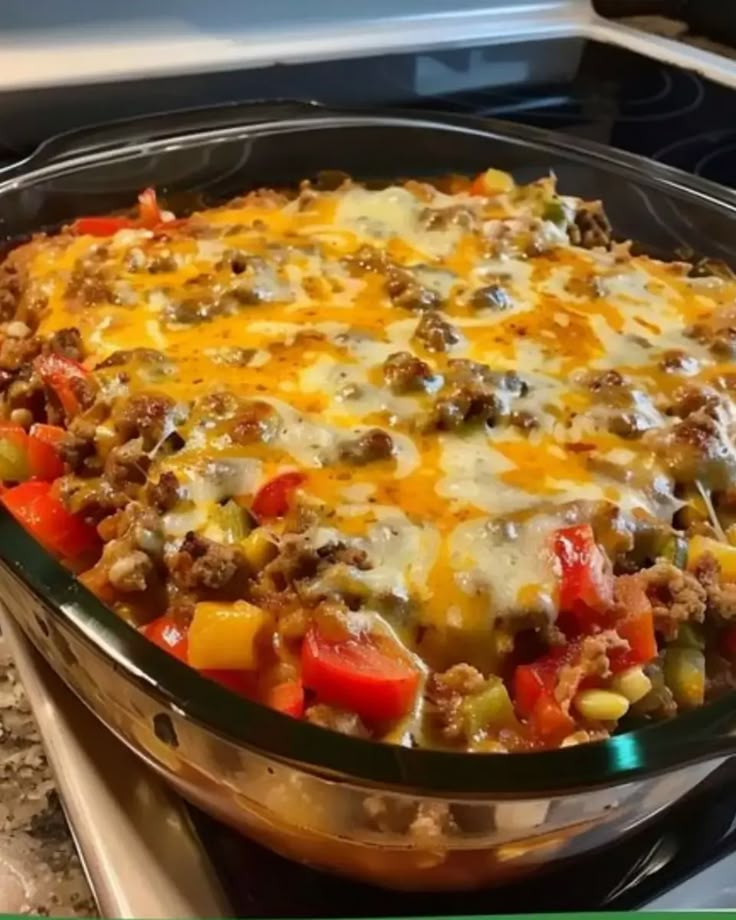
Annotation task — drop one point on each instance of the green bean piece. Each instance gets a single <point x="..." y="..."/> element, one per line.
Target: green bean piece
<point x="489" y="708"/>
<point x="555" y="211"/>
<point x="684" y="674"/>
<point x="674" y="550"/>
<point x="690" y="636"/>
<point x="234" y="521"/>
<point x="13" y="463"/>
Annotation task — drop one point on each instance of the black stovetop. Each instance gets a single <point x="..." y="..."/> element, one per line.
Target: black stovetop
<point x="649" y="108"/>
<point x="609" y="95"/>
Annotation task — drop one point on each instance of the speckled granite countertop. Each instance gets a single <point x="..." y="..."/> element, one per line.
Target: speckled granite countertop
<point x="40" y="873"/>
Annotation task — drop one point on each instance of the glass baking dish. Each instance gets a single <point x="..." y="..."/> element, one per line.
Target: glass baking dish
<point x="415" y="819"/>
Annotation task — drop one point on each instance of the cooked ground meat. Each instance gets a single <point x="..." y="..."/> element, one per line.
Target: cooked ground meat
<point x="721" y="598"/>
<point x="78" y="447"/>
<point x="436" y="333"/>
<point x="676" y="597"/>
<point x="94" y="500"/>
<point x="491" y="297"/>
<point x="130" y="571"/>
<point x="11" y="285"/>
<point x="591" y="227"/>
<point x="67" y="342"/>
<point x="446" y="693"/>
<point x="347" y="723"/>
<point x="677" y="361"/>
<point x="125" y="356"/>
<point x="15" y="352"/>
<point x="698" y="448"/>
<point x="164" y="494"/>
<point x="687" y="400"/>
<point x="127" y="465"/>
<point x="628" y="425"/>
<point x="145" y="416"/>
<point x="404" y="372"/>
<point x="717" y="332"/>
<point x="202" y="563"/>
<point x="605" y="380"/>
<point x="413" y="296"/>
<point x="257" y="423"/>
<point x="374" y="444"/>
<point x="90" y="284"/>
<point x="592" y="661"/>
<point x="474" y="393"/>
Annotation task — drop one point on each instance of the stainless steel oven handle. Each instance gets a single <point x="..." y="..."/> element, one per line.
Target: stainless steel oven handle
<point x="111" y="135"/>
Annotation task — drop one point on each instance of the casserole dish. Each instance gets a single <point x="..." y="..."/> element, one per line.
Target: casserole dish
<point x="392" y="815"/>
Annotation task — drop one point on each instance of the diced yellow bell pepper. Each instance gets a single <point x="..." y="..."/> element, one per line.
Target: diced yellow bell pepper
<point x="684" y="674"/>
<point x="224" y="636"/>
<point x="258" y="548"/>
<point x="723" y="553"/>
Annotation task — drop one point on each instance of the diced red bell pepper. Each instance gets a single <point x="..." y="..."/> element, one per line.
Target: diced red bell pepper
<point x="36" y="454"/>
<point x="586" y="582"/>
<point x="63" y="375"/>
<point x="549" y="722"/>
<point x="242" y="683"/>
<point x="636" y="626"/>
<point x="167" y="634"/>
<point x="529" y="682"/>
<point x="44" y="516"/>
<point x="44" y="461"/>
<point x="101" y="226"/>
<point x="273" y="499"/>
<point x="148" y="210"/>
<point x="363" y="674"/>
<point x="287" y="697"/>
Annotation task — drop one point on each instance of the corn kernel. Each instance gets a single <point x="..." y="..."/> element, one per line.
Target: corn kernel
<point x="258" y="549"/>
<point x="632" y="683"/>
<point x="601" y="705"/>
<point x="495" y="181"/>
<point x="724" y="555"/>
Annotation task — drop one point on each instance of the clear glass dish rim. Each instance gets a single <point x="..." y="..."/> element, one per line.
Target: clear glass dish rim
<point x="691" y="737"/>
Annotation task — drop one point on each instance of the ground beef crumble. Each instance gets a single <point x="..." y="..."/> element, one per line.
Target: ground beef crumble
<point x="676" y="597"/>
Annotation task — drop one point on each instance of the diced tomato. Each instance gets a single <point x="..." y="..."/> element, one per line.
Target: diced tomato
<point x="148" y="209"/>
<point x="44" y="461"/>
<point x="167" y="634"/>
<point x="549" y="721"/>
<point x="727" y="642"/>
<point x="287" y="697"/>
<point x="62" y="375"/>
<point x="273" y="499"/>
<point x="101" y="226"/>
<point x="362" y="674"/>
<point x="41" y="512"/>
<point x="636" y="626"/>
<point x="586" y="584"/>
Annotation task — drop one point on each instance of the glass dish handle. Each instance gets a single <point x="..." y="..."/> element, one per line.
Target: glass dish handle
<point x="110" y="135"/>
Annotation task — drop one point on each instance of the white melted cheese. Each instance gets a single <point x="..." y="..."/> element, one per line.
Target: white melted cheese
<point x="393" y="213"/>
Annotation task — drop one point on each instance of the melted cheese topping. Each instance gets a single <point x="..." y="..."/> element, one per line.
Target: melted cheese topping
<point x="267" y="298"/>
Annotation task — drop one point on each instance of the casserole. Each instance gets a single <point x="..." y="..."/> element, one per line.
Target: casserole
<point x="397" y="816"/>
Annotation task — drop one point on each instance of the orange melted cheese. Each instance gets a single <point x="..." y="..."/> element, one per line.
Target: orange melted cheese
<point x="457" y="521"/>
